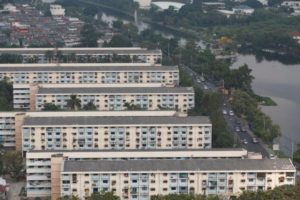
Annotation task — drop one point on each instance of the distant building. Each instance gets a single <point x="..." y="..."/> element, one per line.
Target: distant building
<point x="213" y="5"/>
<point x="243" y="10"/>
<point x="164" y="5"/>
<point x="48" y="1"/>
<point x="294" y="5"/>
<point x="57" y="10"/>
<point x="295" y="36"/>
<point x="144" y="4"/>
<point x="10" y="8"/>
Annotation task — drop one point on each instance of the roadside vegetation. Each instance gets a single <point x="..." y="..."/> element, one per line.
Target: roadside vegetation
<point x="287" y="192"/>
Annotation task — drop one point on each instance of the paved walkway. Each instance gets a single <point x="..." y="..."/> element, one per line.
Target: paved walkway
<point x="14" y="190"/>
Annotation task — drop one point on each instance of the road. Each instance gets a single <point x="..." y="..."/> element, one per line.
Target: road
<point x="234" y="123"/>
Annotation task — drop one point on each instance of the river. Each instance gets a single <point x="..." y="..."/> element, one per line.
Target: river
<point x="281" y="82"/>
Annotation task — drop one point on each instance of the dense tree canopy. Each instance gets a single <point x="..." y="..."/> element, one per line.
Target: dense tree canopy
<point x="6" y="95"/>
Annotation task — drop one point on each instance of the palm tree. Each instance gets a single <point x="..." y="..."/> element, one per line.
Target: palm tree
<point x="89" y="106"/>
<point x="49" y="56"/>
<point x="74" y="103"/>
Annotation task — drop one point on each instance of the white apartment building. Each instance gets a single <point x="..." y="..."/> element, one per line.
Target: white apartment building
<point x="140" y="55"/>
<point x="38" y="163"/>
<point x="119" y="98"/>
<point x="89" y="73"/>
<point x="140" y="179"/>
<point x="11" y="122"/>
<point x="7" y="130"/>
<point x="116" y="132"/>
<point x="57" y="10"/>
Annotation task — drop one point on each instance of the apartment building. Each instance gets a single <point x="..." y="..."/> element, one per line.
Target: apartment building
<point x="119" y="98"/>
<point x="140" y="179"/>
<point x="11" y="122"/>
<point x="45" y="55"/>
<point x="38" y="163"/>
<point x="90" y="73"/>
<point x="7" y="130"/>
<point x="116" y="132"/>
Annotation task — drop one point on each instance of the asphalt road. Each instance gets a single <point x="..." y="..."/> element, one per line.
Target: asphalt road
<point x="234" y="123"/>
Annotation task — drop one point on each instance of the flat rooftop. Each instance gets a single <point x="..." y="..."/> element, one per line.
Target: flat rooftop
<point x="99" y="51"/>
<point x="113" y="90"/>
<point x="115" y="120"/>
<point x="179" y="165"/>
<point x="141" y="150"/>
<point x="79" y="68"/>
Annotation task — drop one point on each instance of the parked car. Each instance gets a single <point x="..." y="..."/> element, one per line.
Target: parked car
<point x="225" y="112"/>
<point x="231" y="113"/>
<point x="245" y="142"/>
<point x="254" y="140"/>
<point x="237" y="129"/>
<point x="272" y="156"/>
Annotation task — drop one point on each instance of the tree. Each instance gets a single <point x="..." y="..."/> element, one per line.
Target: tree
<point x="50" y="107"/>
<point x="119" y="41"/>
<point x="49" y="55"/>
<point x="10" y="58"/>
<point x="89" y="106"/>
<point x="103" y="196"/>
<point x="74" y="103"/>
<point x="13" y="164"/>
<point x="296" y="155"/>
<point x="88" y="36"/>
<point x="184" y="197"/>
<point x="69" y="198"/>
<point x="6" y="95"/>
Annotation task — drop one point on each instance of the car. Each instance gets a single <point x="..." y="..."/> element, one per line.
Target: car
<point x="243" y="129"/>
<point x="237" y="129"/>
<point x="245" y="142"/>
<point x="225" y="112"/>
<point x="231" y="113"/>
<point x="198" y="81"/>
<point x="272" y="156"/>
<point x="205" y="87"/>
<point x="254" y="140"/>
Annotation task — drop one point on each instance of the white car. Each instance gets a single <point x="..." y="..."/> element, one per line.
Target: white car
<point x="245" y="142"/>
<point x="205" y="87"/>
<point x="231" y="113"/>
<point x="225" y="112"/>
<point x="272" y="156"/>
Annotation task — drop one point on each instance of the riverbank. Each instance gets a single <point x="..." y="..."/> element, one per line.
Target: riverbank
<point x="280" y="82"/>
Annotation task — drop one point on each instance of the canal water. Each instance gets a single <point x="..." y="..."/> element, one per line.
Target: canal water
<point x="281" y="82"/>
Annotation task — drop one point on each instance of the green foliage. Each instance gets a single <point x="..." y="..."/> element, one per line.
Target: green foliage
<point x="10" y="58"/>
<point x="89" y="106"/>
<point x="185" y="79"/>
<point x="240" y="78"/>
<point x="286" y="192"/>
<point x="13" y="164"/>
<point x="184" y="197"/>
<point x="6" y="95"/>
<point x="253" y="4"/>
<point x="69" y="198"/>
<point x="74" y="103"/>
<point x="103" y="196"/>
<point x="51" y="107"/>
<point x="120" y="41"/>
<point x="246" y="106"/>
<point x="296" y="155"/>
<point x="130" y="106"/>
<point x="88" y="36"/>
